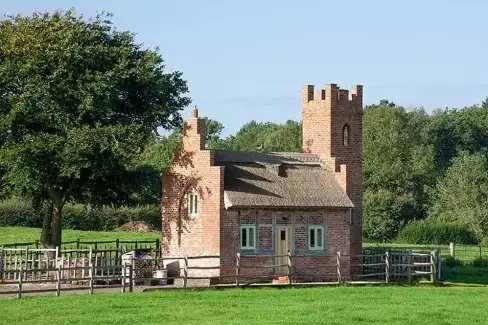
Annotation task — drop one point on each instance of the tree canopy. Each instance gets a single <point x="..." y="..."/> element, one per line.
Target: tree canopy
<point x="79" y="101"/>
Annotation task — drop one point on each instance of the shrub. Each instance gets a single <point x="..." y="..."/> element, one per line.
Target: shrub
<point x="480" y="262"/>
<point x="451" y="262"/>
<point x="16" y="212"/>
<point x="21" y="213"/>
<point x="385" y="213"/>
<point x="429" y="232"/>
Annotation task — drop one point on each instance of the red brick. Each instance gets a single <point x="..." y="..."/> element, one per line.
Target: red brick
<point x="215" y="230"/>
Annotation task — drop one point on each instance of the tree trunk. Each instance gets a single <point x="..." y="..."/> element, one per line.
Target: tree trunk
<point x="46" y="227"/>
<point x="51" y="227"/>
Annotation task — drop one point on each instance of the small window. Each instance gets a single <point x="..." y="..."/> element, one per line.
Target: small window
<point x="316" y="238"/>
<point x="248" y="236"/>
<point x="192" y="204"/>
<point x="345" y="135"/>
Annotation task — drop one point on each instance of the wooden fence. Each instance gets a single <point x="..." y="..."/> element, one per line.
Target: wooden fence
<point x="124" y="245"/>
<point x="11" y="259"/>
<point x="89" y="266"/>
<point x="401" y="256"/>
<point x="387" y="268"/>
<point x="31" y="276"/>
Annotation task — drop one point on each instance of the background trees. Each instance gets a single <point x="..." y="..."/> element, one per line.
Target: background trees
<point x="81" y="103"/>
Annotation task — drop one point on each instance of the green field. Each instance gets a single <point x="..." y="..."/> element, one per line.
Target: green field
<point x="21" y="235"/>
<point x="10" y="235"/>
<point x="326" y="305"/>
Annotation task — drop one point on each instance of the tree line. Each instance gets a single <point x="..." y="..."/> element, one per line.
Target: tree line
<point x="416" y="165"/>
<point x="81" y="103"/>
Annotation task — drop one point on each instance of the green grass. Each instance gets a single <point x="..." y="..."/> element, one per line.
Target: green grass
<point x="22" y="235"/>
<point x="326" y="305"/>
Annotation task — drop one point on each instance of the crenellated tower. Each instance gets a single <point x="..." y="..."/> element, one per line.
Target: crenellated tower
<point x="333" y="129"/>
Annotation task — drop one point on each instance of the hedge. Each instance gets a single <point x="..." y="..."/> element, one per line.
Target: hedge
<point x="436" y="233"/>
<point x="21" y="213"/>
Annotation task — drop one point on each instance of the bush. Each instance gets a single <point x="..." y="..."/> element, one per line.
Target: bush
<point x="428" y="232"/>
<point x="451" y="262"/>
<point x="21" y="213"/>
<point x="480" y="262"/>
<point x="385" y="213"/>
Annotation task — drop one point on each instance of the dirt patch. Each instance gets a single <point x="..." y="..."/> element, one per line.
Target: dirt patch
<point x="136" y="226"/>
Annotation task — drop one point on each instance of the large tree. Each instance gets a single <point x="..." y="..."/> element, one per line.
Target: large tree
<point x="461" y="194"/>
<point x="398" y="168"/>
<point x="79" y="99"/>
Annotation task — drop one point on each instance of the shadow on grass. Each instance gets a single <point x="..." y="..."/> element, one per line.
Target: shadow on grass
<point x="465" y="274"/>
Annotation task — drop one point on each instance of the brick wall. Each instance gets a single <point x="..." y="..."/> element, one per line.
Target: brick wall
<point x="335" y="221"/>
<point x="193" y="171"/>
<point x="324" y="117"/>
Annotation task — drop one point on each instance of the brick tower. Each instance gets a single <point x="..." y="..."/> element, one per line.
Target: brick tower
<point x="333" y="129"/>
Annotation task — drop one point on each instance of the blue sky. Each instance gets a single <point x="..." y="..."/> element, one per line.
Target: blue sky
<point x="246" y="60"/>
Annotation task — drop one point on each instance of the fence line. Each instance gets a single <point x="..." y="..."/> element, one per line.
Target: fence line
<point x="92" y="277"/>
<point x="100" y="244"/>
<point x="407" y="270"/>
<point x="87" y="266"/>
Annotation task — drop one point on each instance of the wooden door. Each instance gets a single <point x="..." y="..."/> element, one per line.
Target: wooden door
<point x="283" y="245"/>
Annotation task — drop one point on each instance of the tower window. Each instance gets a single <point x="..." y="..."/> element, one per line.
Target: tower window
<point x="345" y="135"/>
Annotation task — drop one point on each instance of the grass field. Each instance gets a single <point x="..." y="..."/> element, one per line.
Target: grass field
<point x="22" y="235"/>
<point x="326" y="305"/>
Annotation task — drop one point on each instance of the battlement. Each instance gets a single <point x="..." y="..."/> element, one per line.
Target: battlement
<point x="334" y="95"/>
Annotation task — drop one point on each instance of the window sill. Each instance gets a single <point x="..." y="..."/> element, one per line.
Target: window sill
<point x="316" y="252"/>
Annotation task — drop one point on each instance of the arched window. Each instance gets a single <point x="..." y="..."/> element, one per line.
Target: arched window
<point x="345" y="135"/>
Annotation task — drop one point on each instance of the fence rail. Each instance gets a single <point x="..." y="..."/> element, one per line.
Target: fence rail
<point x="90" y="266"/>
<point x="100" y="244"/>
<point x="126" y="278"/>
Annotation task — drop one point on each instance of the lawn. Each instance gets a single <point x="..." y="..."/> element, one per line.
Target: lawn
<point x="326" y="305"/>
<point x="22" y="235"/>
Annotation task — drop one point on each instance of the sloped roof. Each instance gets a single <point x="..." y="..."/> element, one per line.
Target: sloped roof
<point x="256" y="179"/>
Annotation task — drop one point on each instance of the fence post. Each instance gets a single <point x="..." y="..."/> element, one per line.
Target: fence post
<point x="90" y="256"/>
<point x="339" y="275"/>
<point x="158" y="248"/>
<point x="58" y="286"/>
<point x="409" y="263"/>
<point x="26" y="258"/>
<point x="433" y="272"/>
<point x="480" y="252"/>
<point x="124" y="277"/>
<point x="185" y="272"/>
<point x="439" y="260"/>
<point x="131" y="276"/>
<point x="78" y="244"/>
<point x="21" y="276"/>
<point x="452" y="250"/>
<point x="92" y="274"/>
<point x="290" y="268"/>
<point x="387" y="267"/>
<point x="1" y="262"/>
<point x="238" y="268"/>
<point x="117" y="245"/>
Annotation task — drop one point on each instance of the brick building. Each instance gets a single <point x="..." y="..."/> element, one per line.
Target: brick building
<point x="263" y="204"/>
